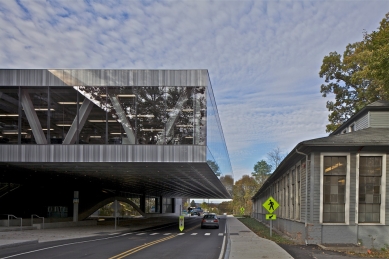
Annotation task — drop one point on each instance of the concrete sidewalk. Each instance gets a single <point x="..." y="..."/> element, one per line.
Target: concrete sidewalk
<point x="246" y="244"/>
<point x="10" y="238"/>
<point x="241" y="241"/>
<point x="14" y="236"/>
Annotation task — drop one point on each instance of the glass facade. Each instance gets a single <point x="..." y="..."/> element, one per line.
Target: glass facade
<point x="106" y="115"/>
<point x="217" y="153"/>
<point x="120" y="115"/>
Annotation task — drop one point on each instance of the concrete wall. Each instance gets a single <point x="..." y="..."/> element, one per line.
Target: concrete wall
<point x="374" y="236"/>
<point x="339" y="234"/>
<point x="313" y="233"/>
<point x="66" y="224"/>
<point x="49" y="223"/>
<point x="27" y="221"/>
<point x="291" y="228"/>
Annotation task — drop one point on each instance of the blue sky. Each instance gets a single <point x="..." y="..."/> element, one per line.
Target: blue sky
<point x="263" y="57"/>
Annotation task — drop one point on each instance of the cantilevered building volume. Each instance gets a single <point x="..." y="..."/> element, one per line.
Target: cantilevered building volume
<point x="83" y="136"/>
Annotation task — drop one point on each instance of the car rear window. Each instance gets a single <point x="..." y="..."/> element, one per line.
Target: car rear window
<point x="209" y="216"/>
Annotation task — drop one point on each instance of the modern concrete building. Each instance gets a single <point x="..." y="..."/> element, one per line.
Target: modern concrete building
<point x="72" y="140"/>
<point x="334" y="190"/>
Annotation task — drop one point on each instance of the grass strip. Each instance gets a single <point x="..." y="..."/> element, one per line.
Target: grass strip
<point x="263" y="231"/>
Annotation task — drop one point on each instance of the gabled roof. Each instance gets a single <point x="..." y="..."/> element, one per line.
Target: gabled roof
<point x="379" y="103"/>
<point x="375" y="106"/>
<point x="364" y="137"/>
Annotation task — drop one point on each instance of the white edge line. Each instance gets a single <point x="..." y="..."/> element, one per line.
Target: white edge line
<point x="224" y="241"/>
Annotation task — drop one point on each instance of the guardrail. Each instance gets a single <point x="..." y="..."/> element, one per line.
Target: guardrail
<point x="21" y="220"/>
<point x="32" y="220"/>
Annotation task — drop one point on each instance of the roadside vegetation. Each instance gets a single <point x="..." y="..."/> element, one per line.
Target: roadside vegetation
<point x="372" y="253"/>
<point x="263" y="231"/>
<point x="358" y="77"/>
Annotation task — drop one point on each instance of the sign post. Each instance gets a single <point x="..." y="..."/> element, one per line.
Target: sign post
<point x="271" y="205"/>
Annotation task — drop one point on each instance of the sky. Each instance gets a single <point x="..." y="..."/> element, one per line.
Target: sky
<point x="263" y="57"/>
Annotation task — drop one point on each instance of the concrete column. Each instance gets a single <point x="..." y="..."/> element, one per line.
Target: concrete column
<point x="158" y="204"/>
<point x="75" y="206"/>
<point x="142" y="204"/>
<point x="115" y="214"/>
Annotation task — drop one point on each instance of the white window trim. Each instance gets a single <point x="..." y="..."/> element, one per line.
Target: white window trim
<point x="347" y="194"/>
<point x="383" y="189"/>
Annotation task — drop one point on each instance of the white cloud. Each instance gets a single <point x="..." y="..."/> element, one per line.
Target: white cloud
<point x="263" y="56"/>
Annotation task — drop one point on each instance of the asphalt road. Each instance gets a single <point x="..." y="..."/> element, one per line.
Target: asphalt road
<point x="163" y="242"/>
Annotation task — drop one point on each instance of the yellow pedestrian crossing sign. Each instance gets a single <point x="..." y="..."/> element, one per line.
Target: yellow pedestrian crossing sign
<point x="181" y="223"/>
<point x="270" y="205"/>
<point x="271" y="216"/>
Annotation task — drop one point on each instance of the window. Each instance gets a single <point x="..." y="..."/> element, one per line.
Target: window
<point x="370" y="172"/>
<point x="168" y="205"/>
<point x="287" y="194"/>
<point x="283" y="197"/>
<point x="334" y="188"/>
<point x="292" y="194"/>
<point x="278" y="191"/>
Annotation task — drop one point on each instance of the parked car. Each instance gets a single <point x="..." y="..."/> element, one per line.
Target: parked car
<point x="210" y="220"/>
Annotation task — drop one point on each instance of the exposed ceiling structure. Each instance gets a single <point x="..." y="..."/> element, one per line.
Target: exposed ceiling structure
<point x="195" y="180"/>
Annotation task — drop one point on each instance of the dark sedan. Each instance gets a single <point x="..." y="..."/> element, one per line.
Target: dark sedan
<point x="195" y="212"/>
<point x="210" y="220"/>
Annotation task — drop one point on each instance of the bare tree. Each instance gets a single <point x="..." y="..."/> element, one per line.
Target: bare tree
<point x="275" y="157"/>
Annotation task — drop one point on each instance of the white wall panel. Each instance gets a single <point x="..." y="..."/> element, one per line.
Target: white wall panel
<point x="102" y="77"/>
<point x="362" y="123"/>
<point x="379" y="119"/>
<point x="102" y="153"/>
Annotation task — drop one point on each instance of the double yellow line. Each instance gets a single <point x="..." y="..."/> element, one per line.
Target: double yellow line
<point x="138" y="248"/>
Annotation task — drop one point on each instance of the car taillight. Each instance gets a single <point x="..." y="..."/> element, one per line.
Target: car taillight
<point x="216" y="220"/>
<point x="204" y="220"/>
